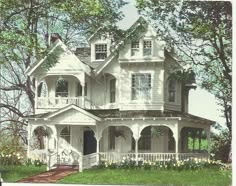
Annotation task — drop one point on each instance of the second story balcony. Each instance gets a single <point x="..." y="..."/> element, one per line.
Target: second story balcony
<point x="59" y="102"/>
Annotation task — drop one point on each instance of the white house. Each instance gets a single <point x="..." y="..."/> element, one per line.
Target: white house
<point x="113" y="100"/>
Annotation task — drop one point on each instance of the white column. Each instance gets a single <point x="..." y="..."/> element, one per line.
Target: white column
<point x="176" y="136"/>
<point x="36" y="94"/>
<point x="98" y="150"/>
<point x="208" y="140"/>
<point x="29" y="140"/>
<point x="136" y="151"/>
<point x="82" y="99"/>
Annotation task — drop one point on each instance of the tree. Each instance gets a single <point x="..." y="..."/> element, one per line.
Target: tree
<point x="201" y="34"/>
<point x="25" y="27"/>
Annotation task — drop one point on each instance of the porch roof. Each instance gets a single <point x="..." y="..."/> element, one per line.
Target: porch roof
<point x="107" y="114"/>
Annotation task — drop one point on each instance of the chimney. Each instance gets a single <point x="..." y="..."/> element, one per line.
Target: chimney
<point x="50" y="39"/>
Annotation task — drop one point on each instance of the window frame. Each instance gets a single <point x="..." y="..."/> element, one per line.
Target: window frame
<point x="112" y="90"/>
<point x="138" y="93"/>
<point x="102" y="51"/>
<point x="79" y="89"/>
<point x="150" y="47"/>
<point x="135" y="50"/>
<point x="66" y="136"/>
<point x="172" y="90"/>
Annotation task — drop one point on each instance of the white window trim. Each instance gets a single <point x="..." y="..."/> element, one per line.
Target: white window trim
<point x="95" y="51"/>
<point x="133" y="48"/>
<point x="146" y="56"/>
<point x="141" y="100"/>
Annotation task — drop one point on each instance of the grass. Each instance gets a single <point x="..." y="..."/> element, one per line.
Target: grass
<point x="122" y="176"/>
<point x="15" y="173"/>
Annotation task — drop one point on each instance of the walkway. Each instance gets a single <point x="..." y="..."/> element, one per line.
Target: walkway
<point x="51" y="176"/>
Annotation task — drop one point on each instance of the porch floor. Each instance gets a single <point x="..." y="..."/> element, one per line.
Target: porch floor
<point x="51" y="176"/>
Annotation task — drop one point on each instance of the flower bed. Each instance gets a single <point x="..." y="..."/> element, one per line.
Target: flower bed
<point x="188" y="164"/>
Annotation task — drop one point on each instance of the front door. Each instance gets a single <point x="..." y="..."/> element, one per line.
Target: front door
<point x="90" y="143"/>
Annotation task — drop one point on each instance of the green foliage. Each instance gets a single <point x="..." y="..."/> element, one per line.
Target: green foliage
<point x="15" y="173"/>
<point x="205" y="176"/>
<point x="221" y="145"/>
<point x="187" y="164"/>
<point x="201" y="34"/>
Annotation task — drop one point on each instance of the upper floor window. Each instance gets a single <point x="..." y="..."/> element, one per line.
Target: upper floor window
<point x="172" y="90"/>
<point x="141" y="86"/>
<point x="112" y="90"/>
<point x="100" y="51"/>
<point x="79" y="91"/>
<point x="147" y="48"/>
<point x="134" y="48"/>
<point x="62" y="88"/>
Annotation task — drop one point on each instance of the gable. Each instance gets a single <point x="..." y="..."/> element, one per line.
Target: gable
<point x="73" y="116"/>
<point x="66" y="62"/>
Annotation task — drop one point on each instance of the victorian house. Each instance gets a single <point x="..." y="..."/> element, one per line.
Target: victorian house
<point x="111" y="100"/>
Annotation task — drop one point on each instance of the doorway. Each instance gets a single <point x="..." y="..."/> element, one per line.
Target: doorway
<point x="90" y="142"/>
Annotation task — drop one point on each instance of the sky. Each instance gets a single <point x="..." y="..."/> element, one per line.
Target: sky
<point x="201" y="103"/>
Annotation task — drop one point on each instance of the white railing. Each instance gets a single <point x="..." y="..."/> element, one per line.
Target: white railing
<point x="89" y="160"/>
<point x="114" y="156"/>
<point x="59" y="102"/>
<point x="53" y="160"/>
<point x="38" y="154"/>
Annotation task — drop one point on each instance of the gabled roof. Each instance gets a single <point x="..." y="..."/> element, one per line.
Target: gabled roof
<point x="131" y="30"/>
<point x="49" y="115"/>
<point x="57" y="44"/>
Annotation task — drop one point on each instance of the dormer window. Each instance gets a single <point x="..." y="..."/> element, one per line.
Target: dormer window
<point x="134" y="48"/>
<point x="172" y="90"/>
<point x="100" y="51"/>
<point x="147" y="48"/>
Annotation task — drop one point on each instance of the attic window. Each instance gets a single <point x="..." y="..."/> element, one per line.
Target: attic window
<point x="100" y="51"/>
<point x="134" y="48"/>
<point x="147" y="48"/>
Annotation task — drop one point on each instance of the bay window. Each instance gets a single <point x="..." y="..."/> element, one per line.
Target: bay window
<point x="112" y="90"/>
<point x="172" y="90"/>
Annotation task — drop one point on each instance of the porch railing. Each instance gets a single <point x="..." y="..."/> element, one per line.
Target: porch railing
<point x="89" y="160"/>
<point x="59" y="102"/>
<point x="39" y="155"/>
<point x="108" y="156"/>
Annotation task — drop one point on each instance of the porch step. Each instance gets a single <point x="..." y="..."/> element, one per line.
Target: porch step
<point x="67" y="167"/>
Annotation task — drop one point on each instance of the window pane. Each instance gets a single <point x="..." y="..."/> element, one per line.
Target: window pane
<point x="100" y="51"/>
<point x="112" y="90"/>
<point x="141" y="86"/>
<point x="147" y="48"/>
<point x="172" y="90"/>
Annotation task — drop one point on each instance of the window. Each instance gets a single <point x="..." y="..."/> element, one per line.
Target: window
<point x="79" y="90"/>
<point x="65" y="134"/>
<point x="100" y="51"/>
<point x="134" y="48"/>
<point x="172" y="90"/>
<point x="112" y="90"/>
<point x="141" y="86"/>
<point x="62" y="88"/>
<point x="147" y="48"/>
<point x="144" y="142"/>
<point x="112" y="139"/>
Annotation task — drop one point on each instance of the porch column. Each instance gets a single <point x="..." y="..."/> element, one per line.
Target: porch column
<point x="136" y="151"/>
<point x="36" y="94"/>
<point x="177" y="136"/>
<point x="82" y="99"/>
<point x="208" y="140"/>
<point x="29" y="140"/>
<point x="98" y="150"/>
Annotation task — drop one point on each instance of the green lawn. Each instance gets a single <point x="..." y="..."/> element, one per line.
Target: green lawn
<point x="121" y="176"/>
<point x="15" y="173"/>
